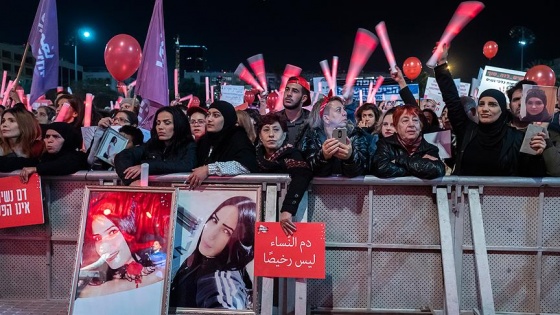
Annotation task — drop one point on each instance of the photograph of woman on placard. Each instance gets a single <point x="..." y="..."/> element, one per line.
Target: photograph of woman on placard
<point x="537" y="103"/>
<point x="111" y="144"/>
<point x="123" y="261"/>
<point x="218" y="273"/>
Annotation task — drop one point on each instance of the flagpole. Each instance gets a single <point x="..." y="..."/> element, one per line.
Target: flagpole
<point x="21" y="65"/>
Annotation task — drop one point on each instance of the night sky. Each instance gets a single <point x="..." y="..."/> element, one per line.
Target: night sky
<point x="302" y="32"/>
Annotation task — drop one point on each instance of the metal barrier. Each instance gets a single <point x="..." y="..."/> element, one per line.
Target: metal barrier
<point x="450" y="245"/>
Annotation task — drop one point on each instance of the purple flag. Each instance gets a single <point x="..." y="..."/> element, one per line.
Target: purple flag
<point x="151" y="81"/>
<point x="43" y="41"/>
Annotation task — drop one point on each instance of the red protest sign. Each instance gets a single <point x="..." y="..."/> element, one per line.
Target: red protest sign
<point x="20" y="204"/>
<point x="301" y="255"/>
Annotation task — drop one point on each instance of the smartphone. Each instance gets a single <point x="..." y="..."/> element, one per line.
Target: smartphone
<point x="340" y="134"/>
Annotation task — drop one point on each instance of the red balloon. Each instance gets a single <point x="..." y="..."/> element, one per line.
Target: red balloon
<point x="271" y="100"/>
<point x="490" y="49"/>
<point x="249" y="97"/>
<point x="541" y="74"/>
<point x="412" y="67"/>
<point x="122" y="56"/>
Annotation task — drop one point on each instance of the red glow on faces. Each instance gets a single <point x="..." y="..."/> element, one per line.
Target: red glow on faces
<point x="289" y="71"/>
<point x="243" y="73"/>
<point x="364" y="45"/>
<point x="256" y="63"/>
<point x="381" y="30"/>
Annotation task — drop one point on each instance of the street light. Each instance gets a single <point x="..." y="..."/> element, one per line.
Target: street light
<point x="85" y="34"/>
<point x="524" y="37"/>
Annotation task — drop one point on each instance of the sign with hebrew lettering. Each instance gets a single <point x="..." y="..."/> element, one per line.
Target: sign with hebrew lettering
<point x="20" y="204"/>
<point x="234" y="94"/>
<point x="301" y="255"/>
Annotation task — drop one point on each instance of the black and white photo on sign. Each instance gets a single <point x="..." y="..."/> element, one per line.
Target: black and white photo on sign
<point x="442" y="140"/>
<point x="112" y="143"/>
<point x="537" y="103"/>
<point x="213" y="256"/>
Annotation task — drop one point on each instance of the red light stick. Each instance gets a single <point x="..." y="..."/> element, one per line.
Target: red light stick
<point x="256" y="63"/>
<point x="4" y="75"/>
<point x="381" y="30"/>
<point x="327" y="73"/>
<point x="289" y="71"/>
<point x="370" y="89"/>
<point x="62" y="112"/>
<point x="207" y="84"/>
<point x="465" y="12"/>
<point x="87" y="114"/>
<point x="6" y="96"/>
<point x="364" y="45"/>
<point x="334" y="72"/>
<point x="375" y="89"/>
<point x="243" y="73"/>
<point x="176" y="82"/>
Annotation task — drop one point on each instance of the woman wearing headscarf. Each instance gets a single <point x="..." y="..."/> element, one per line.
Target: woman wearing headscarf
<point x="535" y="104"/>
<point x="491" y="147"/>
<point x="407" y="153"/>
<point x="62" y="154"/>
<point x="225" y="149"/>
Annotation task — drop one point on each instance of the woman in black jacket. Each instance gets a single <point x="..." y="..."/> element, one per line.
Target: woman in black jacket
<point x="491" y="147"/>
<point x="171" y="148"/>
<point x="62" y="154"/>
<point x="406" y="153"/>
<point x="225" y="149"/>
<point x="276" y="155"/>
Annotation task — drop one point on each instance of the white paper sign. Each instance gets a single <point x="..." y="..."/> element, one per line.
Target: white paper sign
<point x="234" y="94"/>
<point x="499" y="79"/>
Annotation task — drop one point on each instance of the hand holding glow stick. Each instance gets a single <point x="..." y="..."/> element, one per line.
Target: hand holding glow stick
<point x="256" y="63"/>
<point x="465" y="12"/>
<point x="381" y="30"/>
<point x="243" y="73"/>
<point x="364" y="45"/>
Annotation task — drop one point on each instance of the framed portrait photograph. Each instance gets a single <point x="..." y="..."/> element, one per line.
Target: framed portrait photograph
<point x="112" y="143"/>
<point x="537" y="103"/>
<point x="123" y="263"/>
<point x="213" y="257"/>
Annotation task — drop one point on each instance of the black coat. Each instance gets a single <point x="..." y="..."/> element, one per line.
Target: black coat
<point x="160" y="161"/>
<point x="233" y="146"/>
<point x="62" y="163"/>
<point x="392" y="160"/>
<point x="511" y="161"/>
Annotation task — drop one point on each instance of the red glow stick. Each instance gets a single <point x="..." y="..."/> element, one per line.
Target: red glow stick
<point x="62" y="112"/>
<point x="188" y="97"/>
<point x="334" y="73"/>
<point x="87" y="114"/>
<point x="289" y="71"/>
<point x="176" y="82"/>
<point x="375" y="89"/>
<point x="243" y="73"/>
<point x="465" y="12"/>
<point x="207" y="85"/>
<point x="327" y="73"/>
<point x="59" y="89"/>
<point x="6" y="96"/>
<point x="370" y="89"/>
<point x="22" y="99"/>
<point x="256" y="63"/>
<point x="364" y="45"/>
<point x="212" y="94"/>
<point x="4" y="75"/>
<point x="381" y="30"/>
<point x="361" y="97"/>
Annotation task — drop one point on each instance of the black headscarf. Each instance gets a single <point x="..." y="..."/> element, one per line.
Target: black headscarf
<point x="72" y="139"/>
<point x="490" y="134"/>
<point x="230" y="118"/>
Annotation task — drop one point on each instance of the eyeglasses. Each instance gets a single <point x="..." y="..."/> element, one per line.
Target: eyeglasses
<point x="200" y="122"/>
<point x="121" y="120"/>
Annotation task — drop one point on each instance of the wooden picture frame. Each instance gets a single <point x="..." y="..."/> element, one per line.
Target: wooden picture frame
<point x="122" y="261"/>
<point x="111" y="143"/>
<point x="215" y="231"/>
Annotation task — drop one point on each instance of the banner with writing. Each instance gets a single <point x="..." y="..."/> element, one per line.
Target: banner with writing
<point x="301" y="255"/>
<point x="234" y="94"/>
<point x="20" y="204"/>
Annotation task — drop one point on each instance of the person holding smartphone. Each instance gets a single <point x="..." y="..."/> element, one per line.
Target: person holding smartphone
<point x="332" y="145"/>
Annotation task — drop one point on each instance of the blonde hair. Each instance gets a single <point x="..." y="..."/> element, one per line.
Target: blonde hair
<point x="244" y="120"/>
